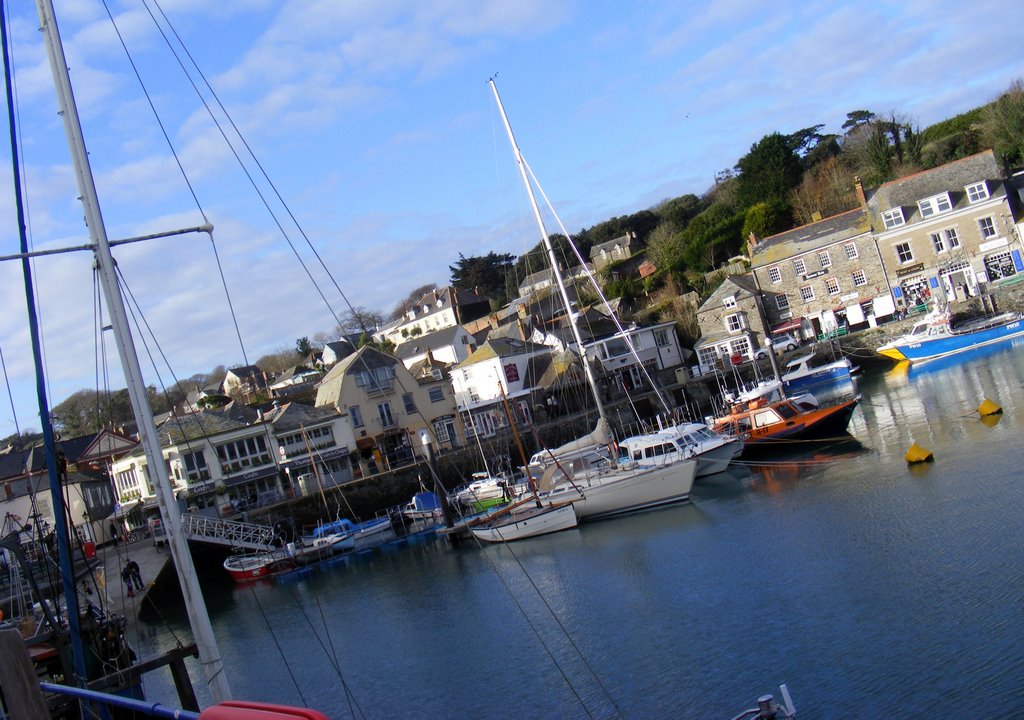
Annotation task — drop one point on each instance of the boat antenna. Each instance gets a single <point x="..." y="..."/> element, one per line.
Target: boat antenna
<point x="56" y="492"/>
<point x="199" y="618"/>
<point x="521" y="163"/>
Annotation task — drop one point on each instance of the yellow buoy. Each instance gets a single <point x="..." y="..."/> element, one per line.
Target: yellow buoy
<point x="917" y="454"/>
<point x="988" y="407"/>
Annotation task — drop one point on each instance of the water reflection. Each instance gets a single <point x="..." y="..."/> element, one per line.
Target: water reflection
<point x="874" y="588"/>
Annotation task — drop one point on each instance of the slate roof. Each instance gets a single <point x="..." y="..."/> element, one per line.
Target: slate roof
<point x="293" y="415"/>
<point x="207" y="422"/>
<point x="500" y="348"/>
<point x="823" y="232"/>
<point x="609" y="245"/>
<point x="951" y="177"/>
<point x="431" y="341"/>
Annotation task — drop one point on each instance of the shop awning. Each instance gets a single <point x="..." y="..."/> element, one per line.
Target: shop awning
<point x="791" y="324"/>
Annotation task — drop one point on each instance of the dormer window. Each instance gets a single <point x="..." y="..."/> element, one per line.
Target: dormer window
<point x="977" y="192"/>
<point x="729" y="302"/>
<point x="935" y="205"/>
<point x="893" y="218"/>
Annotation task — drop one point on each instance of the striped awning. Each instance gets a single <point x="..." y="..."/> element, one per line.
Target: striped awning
<point x="791" y="324"/>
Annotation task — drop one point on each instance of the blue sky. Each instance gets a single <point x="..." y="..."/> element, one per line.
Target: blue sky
<point x="375" y="123"/>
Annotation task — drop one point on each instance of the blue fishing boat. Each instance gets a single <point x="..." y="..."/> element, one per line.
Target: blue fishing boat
<point x="933" y="337"/>
<point x="802" y="375"/>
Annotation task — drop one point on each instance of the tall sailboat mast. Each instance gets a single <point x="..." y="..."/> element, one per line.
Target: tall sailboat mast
<point x="591" y="381"/>
<point x="203" y="632"/>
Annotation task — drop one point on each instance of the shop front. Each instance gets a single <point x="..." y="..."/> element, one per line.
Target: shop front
<point x="958" y="280"/>
<point x="1003" y="264"/>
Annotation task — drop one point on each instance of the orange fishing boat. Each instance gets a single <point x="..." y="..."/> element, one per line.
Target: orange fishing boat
<point x="764" y="421"/>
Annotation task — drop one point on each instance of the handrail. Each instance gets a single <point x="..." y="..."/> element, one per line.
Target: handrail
<point x="149" y="709"/>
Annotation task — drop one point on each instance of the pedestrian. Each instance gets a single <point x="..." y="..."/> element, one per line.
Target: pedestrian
<point x="126" y="577"/>
<point x="135" y="574"/>
<point x="113" y="531"/>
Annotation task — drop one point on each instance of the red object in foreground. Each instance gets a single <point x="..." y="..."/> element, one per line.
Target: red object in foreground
<point x="239" y="710"/>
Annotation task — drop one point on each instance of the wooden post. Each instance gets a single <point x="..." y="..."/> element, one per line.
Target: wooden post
<point x="18" y="682"/>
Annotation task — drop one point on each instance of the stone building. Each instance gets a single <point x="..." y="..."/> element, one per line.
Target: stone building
<point x="731" y="324"/>
<point x="821" y="277"/>
<point x="946" y="233"/>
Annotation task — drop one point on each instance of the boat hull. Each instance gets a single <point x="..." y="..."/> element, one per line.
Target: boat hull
<point x="528" y="523"/>
<point x="826" y="376"/>
<point x="943" y="346"/>
<point x="246" y="568"/>
<point x="717" y="459"/>
<point x="821" y="424"/>
<point x="623" y="491"/>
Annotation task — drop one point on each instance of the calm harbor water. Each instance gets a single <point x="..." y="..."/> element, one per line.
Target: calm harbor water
<point x="871" y="588"/>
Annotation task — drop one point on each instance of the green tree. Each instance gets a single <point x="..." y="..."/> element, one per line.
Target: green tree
<point x="857" y="118"/>
<point x="769" y="171"/>
<point x="303" y="347"/>
<point x="487" y="275"/>
<point x="764" y="219"/>
<point x="680" y="210"/>
<point x="1004" y="124"/>
<point x="712" y="237"/>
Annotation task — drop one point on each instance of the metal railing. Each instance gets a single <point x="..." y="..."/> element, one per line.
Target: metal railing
<point x="227" y="532"/>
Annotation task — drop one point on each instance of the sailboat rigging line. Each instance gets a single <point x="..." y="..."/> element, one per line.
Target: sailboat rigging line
<point x="177" y="160"/>
<point x="329" y="649"/>
<point x="277" y="643"/>
<point x="139" y="318"/>
<point x="67" y="570"/>
<point x="537" y="633"/>
<point x="10" y="395"/>
<point x="255" y="159"/>
<point x="600" y="292"/>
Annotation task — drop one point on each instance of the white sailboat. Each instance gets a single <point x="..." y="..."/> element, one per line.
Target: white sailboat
<point x="593" y="479"/>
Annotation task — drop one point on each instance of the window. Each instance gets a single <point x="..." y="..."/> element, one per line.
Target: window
<point x="903" y="253"/>
<point x="945" y="240"/>
<point x="799" y="267"/>
<point x="195" y="467"/>
<point x="851" y="251"/>
<point x="730" y="301"/>
<point x="952" y="239"/>
<point x="824" y="259"/>
<point x="807" y="293"/>
<point x="934" y="205"/>
<point x="988" y="228"/>
<point x="977" y="192"/>
<point x="384" y="412"/>
<point x="893" y="218"/>
<point x="436" y="373"/>
<point x="782" y="301"/>
<point x="355" y="416"/>
<point x="774" y="274"/>
<point x="376" y="379"/>
<point x="407" y="401"/>
<point x="661" y="338"/>
<point x="240" y="454"/>
<point x="859" y="278"/>
<point x="734" y="322"/>
<point x="436" y="394"/>
<point x="832" y="285"/>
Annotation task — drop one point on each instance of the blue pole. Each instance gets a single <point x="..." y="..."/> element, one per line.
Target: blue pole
<point x="60" y="520"/>
<point x="149" y="708"/>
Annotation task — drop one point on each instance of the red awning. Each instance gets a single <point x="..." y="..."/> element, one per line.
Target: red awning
<point x="791" y="324"/>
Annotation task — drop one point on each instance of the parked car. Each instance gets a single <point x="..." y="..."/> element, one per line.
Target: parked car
<point x="780" y="343"/>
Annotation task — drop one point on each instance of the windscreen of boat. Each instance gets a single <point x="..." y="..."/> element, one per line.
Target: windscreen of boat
<point x="921" y="329"/>
<point x="786" y="411"/>
<point x="766" y="417"/>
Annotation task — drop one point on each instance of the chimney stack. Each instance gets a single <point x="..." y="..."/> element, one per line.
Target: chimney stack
<point x="859" y="188"/>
